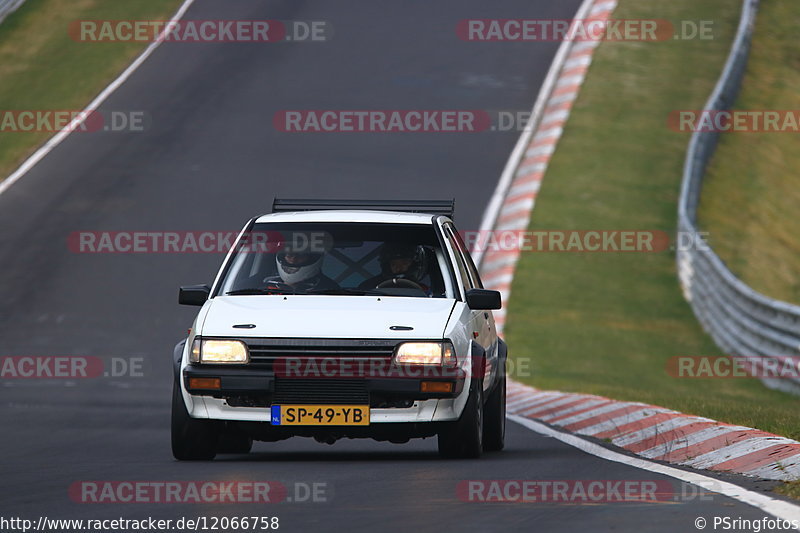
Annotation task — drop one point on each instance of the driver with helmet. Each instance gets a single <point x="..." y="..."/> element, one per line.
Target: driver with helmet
<point x="402" y="265"/>
<point x="302" y="271"/>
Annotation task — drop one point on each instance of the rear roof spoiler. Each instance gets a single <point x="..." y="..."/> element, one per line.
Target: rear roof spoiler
<point x="433" y="207"/>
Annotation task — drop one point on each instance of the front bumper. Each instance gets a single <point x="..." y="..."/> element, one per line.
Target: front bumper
<point x="246" y="394"/>
<point x="242" y="381"/>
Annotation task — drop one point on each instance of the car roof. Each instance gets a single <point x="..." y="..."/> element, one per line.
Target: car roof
<point x="384" y="217"/>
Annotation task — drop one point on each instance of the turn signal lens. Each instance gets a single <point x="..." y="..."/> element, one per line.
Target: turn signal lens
<point x="436" y="386"/>
<point x="204" y="383"/>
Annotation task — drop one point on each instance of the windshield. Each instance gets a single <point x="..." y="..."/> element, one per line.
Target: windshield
<point x="354" y="259"/>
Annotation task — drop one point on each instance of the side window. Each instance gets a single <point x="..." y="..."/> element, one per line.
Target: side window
<point x="466" y="258"/>
<point x="460" y="265"/>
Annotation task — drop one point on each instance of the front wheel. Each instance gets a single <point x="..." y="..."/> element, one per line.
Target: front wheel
<point x="494" y="426"/>
<point x="192" y="439"/>
<point x="464" y="439"/>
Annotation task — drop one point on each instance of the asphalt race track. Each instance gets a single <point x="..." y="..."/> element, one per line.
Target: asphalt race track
<point x="209" y="159"/>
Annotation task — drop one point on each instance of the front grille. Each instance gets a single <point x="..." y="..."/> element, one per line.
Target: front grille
<point x="320" y="391"/>
<point x="265" y="352"/>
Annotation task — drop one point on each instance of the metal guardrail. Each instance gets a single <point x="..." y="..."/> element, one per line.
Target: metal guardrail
<point x="9" y="6"/>
<point x="740" y="320"/>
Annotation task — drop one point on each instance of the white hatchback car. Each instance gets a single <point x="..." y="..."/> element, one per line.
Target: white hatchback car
<point x="333" y="319"/>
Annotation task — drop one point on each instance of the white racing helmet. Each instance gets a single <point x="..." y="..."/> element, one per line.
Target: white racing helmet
<point x="296" y="267"/>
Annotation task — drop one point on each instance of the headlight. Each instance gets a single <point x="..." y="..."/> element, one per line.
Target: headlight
<point x="425" y="353"/>
<point x="218" y="351"/>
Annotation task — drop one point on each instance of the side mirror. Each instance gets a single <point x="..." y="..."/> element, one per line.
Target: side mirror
<point x="194" y="295"/>
<point x="483" y="299"/>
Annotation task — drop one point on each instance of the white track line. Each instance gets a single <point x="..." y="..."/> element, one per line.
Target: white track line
<point x="777" y="508"/>
<point x="59" y="137"/>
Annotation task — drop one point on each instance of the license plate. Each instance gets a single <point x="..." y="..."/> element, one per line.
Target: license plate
<point x="320" y="415"/>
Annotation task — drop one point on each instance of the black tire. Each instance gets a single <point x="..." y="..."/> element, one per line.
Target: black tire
<point x="494" y="417"/>
<point x="464" y="439"/>
<point x="192" y="440"/>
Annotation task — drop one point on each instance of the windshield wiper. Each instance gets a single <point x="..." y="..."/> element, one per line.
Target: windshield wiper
<point x="257" y="290"/>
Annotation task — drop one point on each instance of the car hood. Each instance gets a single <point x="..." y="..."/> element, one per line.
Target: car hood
<point x="345" y="317"/>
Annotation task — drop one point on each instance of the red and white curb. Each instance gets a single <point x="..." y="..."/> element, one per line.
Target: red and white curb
<point x="651" y="432"/>
<point x="662" y="434"/>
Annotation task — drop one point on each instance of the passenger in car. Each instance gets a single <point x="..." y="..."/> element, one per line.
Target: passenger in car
<point x="400" y="261"/>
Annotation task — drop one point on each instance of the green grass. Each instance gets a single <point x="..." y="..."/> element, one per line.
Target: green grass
<point x="751" y="198"/>
<point x="790" y="489"/>
<point x="607" y="323"/>
<point x="42" y="68"/>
